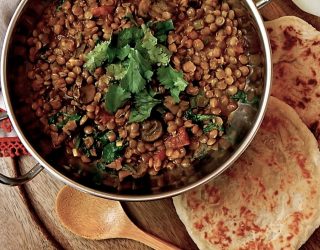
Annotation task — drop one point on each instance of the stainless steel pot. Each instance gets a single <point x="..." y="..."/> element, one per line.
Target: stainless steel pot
<point x="9" y="74"/>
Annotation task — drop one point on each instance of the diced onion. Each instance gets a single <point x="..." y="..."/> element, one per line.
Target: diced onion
<point x="312" y="7"/>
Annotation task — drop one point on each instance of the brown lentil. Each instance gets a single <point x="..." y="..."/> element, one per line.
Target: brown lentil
<point x="208" y="45"/>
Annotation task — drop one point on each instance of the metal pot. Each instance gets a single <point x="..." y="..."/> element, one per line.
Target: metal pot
<point x="10" y="63"/>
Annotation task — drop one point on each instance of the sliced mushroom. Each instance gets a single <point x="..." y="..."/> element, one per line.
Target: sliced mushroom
<point x="87" y="93"/>
<point x="152" y="130"/>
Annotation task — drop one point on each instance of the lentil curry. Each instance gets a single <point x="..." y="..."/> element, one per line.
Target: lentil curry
<point x="132" y="89"/>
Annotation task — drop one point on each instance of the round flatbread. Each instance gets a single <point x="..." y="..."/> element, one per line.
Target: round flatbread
<point x="269" y="199"/>
<point x="296" y="63"/>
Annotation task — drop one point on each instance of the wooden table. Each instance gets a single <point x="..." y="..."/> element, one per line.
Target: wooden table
<point x="28" y="219"/>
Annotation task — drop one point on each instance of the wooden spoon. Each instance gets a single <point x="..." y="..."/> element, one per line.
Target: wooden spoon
<point x="97" y="219"/>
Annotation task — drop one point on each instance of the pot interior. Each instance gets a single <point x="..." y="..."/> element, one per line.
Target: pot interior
<point x="18" y="88"/>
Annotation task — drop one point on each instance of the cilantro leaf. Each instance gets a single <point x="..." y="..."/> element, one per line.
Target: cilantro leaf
<point x="129" y="36"/>
<point x="157" y="53"/>
<point x="242" y="97"/>
<point x="111" y="152"/>
<point x="172" y="80"/>
<point x="115" y="98"/>
<point x="102" y="137"/>
<point x="123" y="52"/>
<point x="53" y="119"/>
<point x="99" y="55"/>
<point x="133" y="80"/>
<point x="67" y="118"/>
<point x="144" y="103"/>
<point x="139" y="70"/>
<point x="197" y="117"/>
<point x="117" y="71"/>
<point x="211" y="126"/>
<point x="143" y="62"/>
<point x="162" y="29"/>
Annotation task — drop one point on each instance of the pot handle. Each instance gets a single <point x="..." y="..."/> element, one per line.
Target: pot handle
<point x="16" y="181"/>
<point x="261" y="3"/>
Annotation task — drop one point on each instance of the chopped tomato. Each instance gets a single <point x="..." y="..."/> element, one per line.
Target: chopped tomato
<point x="178" y="141"/>
<point x="102" y="10"/>
<point x="104" y="118"/>
<point x="161" y="155"/>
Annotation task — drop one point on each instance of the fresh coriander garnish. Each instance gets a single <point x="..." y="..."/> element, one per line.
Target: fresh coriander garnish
<point x="143" y="105"/>
<point x="198" y="117"/>
<point x="66" y="117"/>
<point x="111" y="152"/>
<point x="242" y="97"/>
<point x="133" y="55"/>
<point x="116" y="97"/>
<point x="211" y="126"/>
<point x="172" y="80"/>
<point x="98" y="56"/>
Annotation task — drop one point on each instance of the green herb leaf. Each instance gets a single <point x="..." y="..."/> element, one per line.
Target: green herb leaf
<point x="123" y="52"/>
<point x="115" y="98"/>
<point x="144" y="103"/>
<point x="53" y="119"/>
<point x="116" y="71"/>
<point x="162" y="29"/>
<point x="111" y="152"/>
<point x="197" y="117"/>
<point x="158" y="54"/>
<point x="172" y="80"/>
<point x="68" y="117"/>
<point x="73" y="117"/>
<point x="102" y="137"/>
<point x="211" y="126"/>
<point x="145" y="67"/>
<point x="99" y="55"/>
<point x="139" y="70"/>
<point x="133" y="80"/>
<point x="129" y="36"/>
<point x="242" y="97"/>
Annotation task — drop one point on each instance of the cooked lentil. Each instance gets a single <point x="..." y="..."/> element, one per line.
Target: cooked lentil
<point x="207" y="46"/>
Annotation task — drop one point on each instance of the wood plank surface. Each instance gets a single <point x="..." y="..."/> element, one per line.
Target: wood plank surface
<point x="28" y="219"/>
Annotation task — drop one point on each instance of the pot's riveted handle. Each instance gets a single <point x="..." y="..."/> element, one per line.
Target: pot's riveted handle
<point x="261" y="3"/>
<point x="16" y="181"/>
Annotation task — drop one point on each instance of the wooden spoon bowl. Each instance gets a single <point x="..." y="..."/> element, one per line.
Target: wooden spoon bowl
<point x="97" y="219"/>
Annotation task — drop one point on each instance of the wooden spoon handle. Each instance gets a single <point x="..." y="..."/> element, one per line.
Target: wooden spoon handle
<point x="151" y="240"/>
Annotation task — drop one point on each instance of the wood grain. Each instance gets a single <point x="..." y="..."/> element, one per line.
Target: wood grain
<point x="28" y="219"/>
<point x="279" y="8"/>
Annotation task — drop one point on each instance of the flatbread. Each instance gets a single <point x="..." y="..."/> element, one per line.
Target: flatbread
<point x="296" y="63"/>
<point x="269" y="199"/>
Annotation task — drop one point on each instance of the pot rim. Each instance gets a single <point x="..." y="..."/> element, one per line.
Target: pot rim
<point x="122" y="197"/>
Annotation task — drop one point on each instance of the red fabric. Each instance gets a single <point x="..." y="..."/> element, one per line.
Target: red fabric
<point x="10" y="146"/>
